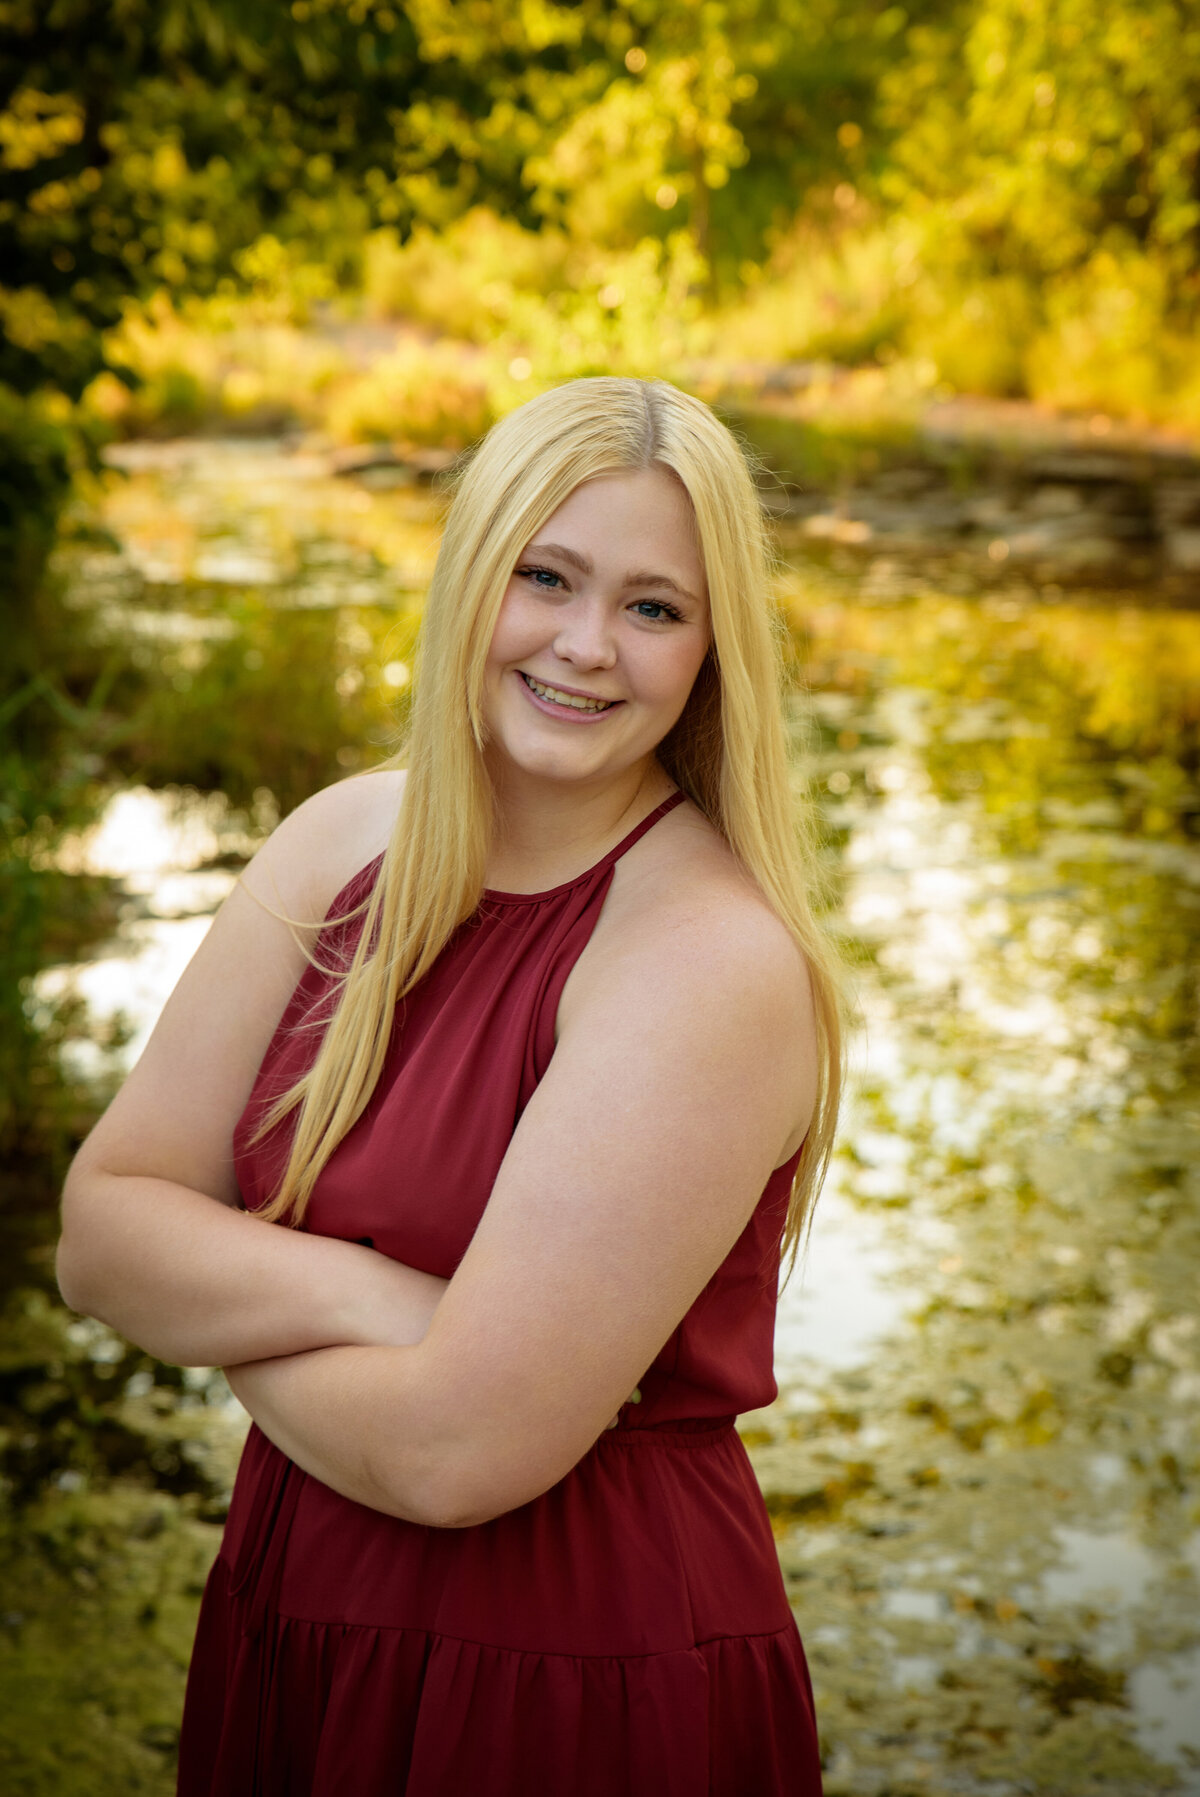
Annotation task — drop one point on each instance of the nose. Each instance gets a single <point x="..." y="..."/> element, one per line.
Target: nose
<point x="585" y="634"/>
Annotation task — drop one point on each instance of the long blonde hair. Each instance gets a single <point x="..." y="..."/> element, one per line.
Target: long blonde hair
<point x="728" y="751"/>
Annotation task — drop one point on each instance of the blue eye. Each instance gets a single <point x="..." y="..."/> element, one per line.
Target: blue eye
<point x="542" y="577"/>
<point x="656" y="610"/>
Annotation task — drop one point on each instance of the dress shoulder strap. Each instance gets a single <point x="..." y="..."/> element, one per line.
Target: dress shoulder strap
<point x="638" y="831"/>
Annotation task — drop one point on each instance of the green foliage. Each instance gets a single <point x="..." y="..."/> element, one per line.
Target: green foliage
<point x="418" y="394"/>
<point x="632" y="312"/>
<point x="1044" y="128"/>
<point x="180" y="147"/>
<point x="1048" y="157"/>
<point x="148" y="146"/>
<point x="843" y="428"/>
<point x="719" y="117"/>
<point x="50" y="725"/>
<point x="263" y="708"/>
<point x="212" y="362"/>
<point x="1007" y="188"/>
<point x="463" y="280"/>
<point x="100" y="1597"/>
<point x="547" y="310"/>
<point x="115" y="1473"/>
<point x="35" y="474"/>
<point x="50" y="677"/>
<point x="828" y="293"/>
<point x="1119" y="336"/>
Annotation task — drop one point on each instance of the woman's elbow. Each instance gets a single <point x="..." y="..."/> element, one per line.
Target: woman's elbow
<point x="467" y="1508"/>
<point x="71" y="1272"/>
<point x="70" y="1258"/>
<point x="441" y="1513"/>
<point x="435" y="1497"/>
<point x="462" y="1490"/>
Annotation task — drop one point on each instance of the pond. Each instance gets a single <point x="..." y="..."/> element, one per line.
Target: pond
<point x="983" y="1463"/>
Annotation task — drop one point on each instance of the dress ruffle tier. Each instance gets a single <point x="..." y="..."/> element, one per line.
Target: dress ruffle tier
<point x="675" y="1685"/>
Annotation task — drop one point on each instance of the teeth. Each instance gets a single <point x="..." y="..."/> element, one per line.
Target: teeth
<point x="556" y="698"/>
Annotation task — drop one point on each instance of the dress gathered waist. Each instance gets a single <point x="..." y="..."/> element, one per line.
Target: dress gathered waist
<point x="680" y="1432"/>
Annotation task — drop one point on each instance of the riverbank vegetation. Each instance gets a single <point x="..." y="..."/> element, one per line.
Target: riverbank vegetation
<point x="211" y="216"/>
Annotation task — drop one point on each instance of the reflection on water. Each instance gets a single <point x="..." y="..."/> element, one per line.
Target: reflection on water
<point x="240" y="515"/>
<point x="1012" y="1572"/>
<point x="983" y="1463"/>
<point x="161" y="847"/>
<point x="846" y="1295"/>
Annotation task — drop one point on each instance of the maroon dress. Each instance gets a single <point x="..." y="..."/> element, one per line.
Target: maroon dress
<point x="626" y="1634"/>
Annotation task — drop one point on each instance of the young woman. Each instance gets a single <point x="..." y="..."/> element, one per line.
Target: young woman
<point x="530" y="1055"/>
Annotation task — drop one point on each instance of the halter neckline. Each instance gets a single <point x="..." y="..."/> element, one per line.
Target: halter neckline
<point x="492" y="895"/>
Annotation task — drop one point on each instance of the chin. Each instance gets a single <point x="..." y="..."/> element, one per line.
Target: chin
<point x="576" y="756"/>
<point x="565" y="770"/>
<point x="562" y="763"/>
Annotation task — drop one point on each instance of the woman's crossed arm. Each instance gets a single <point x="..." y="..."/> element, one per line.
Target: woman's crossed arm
<point x="683" y="1074"/>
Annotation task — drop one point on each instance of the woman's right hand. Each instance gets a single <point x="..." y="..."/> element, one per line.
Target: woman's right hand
<point x="396" y="1304"/>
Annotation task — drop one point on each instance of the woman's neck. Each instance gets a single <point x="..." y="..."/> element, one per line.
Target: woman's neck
<point x="549" y="832"/>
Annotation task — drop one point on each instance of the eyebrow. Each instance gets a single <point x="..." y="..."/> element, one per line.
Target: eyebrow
<point x="640" y="579"/>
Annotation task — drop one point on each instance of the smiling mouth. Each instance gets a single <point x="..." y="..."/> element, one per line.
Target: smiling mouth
<point x="554" y="695"/>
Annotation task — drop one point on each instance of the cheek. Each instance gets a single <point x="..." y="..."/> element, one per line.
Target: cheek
<point x="677" y="674"/>
<point x="510" y="636"/>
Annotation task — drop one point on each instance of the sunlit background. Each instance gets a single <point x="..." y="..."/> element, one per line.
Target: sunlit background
<point x="268" y="270"/>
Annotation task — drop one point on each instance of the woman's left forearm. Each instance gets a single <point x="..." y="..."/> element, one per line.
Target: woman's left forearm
<point x="367" y="1422"/>
<point x="339" y="1413"/>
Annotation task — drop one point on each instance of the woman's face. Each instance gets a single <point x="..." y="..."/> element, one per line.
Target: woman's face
<point x="602" y="630"/>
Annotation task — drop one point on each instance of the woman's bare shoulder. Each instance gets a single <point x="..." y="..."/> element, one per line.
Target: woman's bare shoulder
<point x="684" y="869"/>
<point x="689" y="953"/>
<point x="319" y="847"/>
<point x="681" y="892"/>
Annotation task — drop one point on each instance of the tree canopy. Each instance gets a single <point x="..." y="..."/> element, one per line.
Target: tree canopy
<point x="1043" y="156"/>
